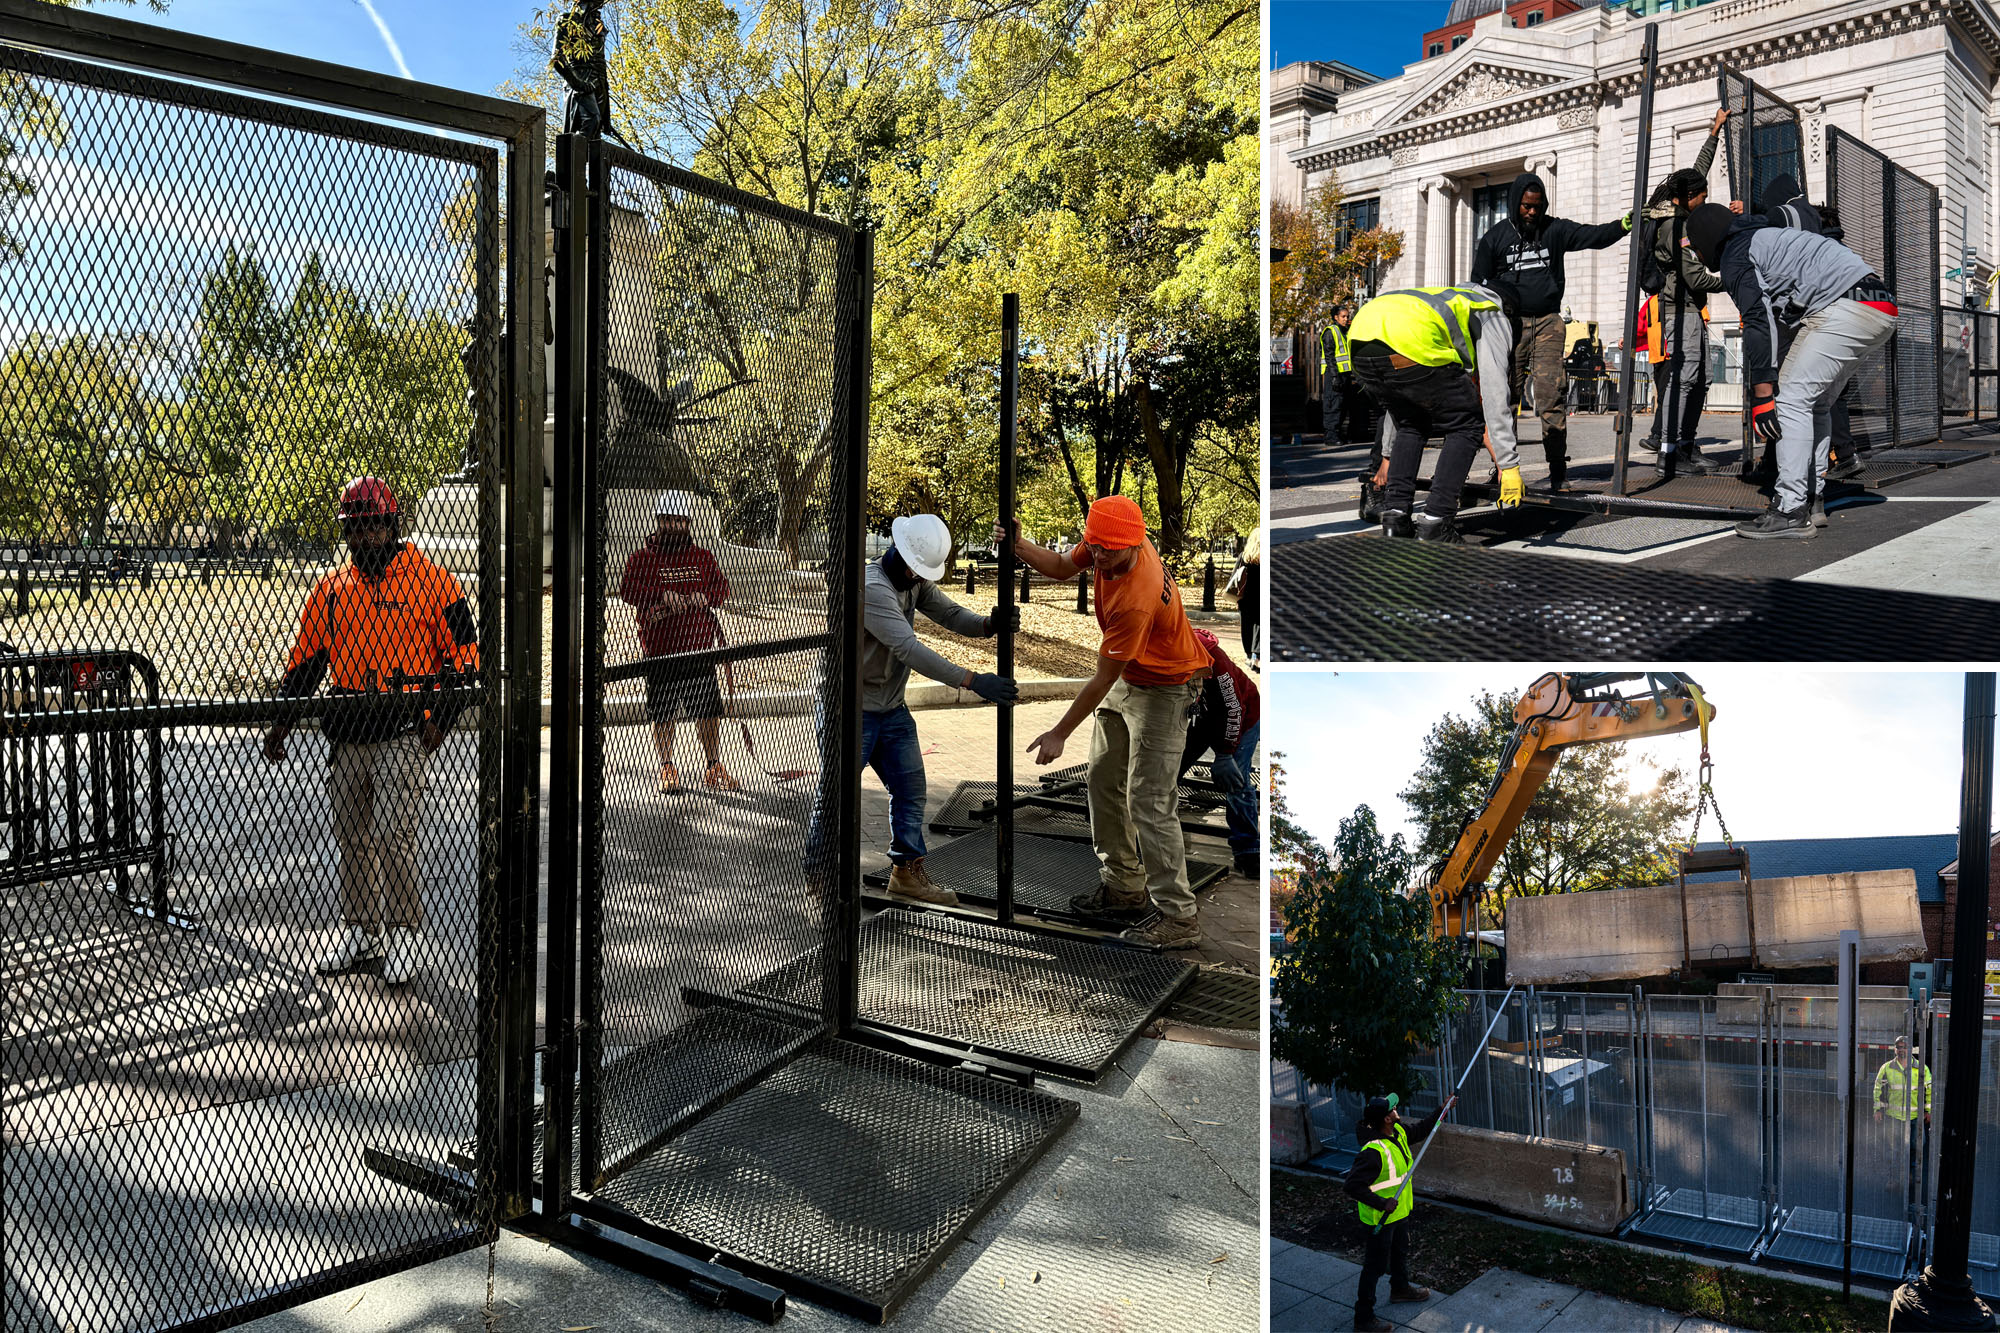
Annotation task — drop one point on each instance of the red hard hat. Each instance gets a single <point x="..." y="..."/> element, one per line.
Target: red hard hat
<point x="367" y="497"/>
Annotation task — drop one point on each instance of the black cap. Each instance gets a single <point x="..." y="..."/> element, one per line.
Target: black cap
<point x="1378" y="1108"/>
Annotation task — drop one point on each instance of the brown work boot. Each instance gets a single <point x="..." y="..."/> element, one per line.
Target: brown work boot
<point x="670" y="779"/>
<point x="1116" y="906"/>
<point x="1169" y="932"/>
<point x="1400" y="1295"/>
<point x="718" y="778"/>
<point x="914" y="882"/>
<point x="1368" y="1323"/>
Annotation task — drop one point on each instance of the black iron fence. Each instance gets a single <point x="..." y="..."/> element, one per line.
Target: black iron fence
<point x="236" y="282"/>
<point x="1889" y="216"/>
<point x="1762" y="139"/>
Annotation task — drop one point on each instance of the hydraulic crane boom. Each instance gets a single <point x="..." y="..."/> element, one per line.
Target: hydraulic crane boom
<point x="1558" y="711"/>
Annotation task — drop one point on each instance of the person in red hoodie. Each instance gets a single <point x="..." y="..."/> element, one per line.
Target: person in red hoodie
<point x="676" y="585"/>
<point x="1228" y="720"/>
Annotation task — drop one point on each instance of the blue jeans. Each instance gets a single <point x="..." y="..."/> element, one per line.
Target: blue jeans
<point x="1232" y="773"/>
<point x="889" y="745"/>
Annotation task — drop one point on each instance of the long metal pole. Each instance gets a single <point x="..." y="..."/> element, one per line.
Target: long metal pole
<point x="1943" y="1296"/>
<point x="1003" y="768"/>
<point x="1850" y="989"/>
<point x="847" y="639"/>
<point x="1411" y="1176"/>
<point x="1651" y="67"/>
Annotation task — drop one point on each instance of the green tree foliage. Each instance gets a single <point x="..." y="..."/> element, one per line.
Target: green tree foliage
<point x="1325" y="263"/>
<point x="1595" y="824"/>
<point x="1363" y="985"/>
<point x="1097" y="156"/>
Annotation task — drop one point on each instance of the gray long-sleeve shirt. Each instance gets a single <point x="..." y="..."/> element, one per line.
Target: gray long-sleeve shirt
<point x="1493" y="345"/>
<point x="890" y="648"/>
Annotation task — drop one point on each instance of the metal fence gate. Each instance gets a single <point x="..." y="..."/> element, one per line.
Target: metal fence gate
<point x="220" y="304"/>
<point x="1890" y="218"/>
<point x="1761" y="139"/>
<point x="713" y="1086"/>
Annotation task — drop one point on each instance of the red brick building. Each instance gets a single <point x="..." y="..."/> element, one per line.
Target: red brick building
<point x="1463" y="14"/>
<point x="1940" y="918"/>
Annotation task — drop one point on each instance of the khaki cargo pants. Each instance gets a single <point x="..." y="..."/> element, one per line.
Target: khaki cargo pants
<point x="1538" y="359"/>
<point x="377" y="795"/>
<point x="1135" y="794"/>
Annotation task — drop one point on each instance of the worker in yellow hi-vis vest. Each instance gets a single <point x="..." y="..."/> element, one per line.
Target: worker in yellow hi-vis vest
<point x="1336" y="377"/>
<point x="1903" y="1087"/>
<point x="1379" y="1183"/>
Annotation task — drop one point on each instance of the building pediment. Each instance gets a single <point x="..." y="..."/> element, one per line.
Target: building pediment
<point x="1482" y="80"/>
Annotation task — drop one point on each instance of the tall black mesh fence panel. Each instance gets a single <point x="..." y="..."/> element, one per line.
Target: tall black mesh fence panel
<point x="1889" y="217"/>
<point x="1761" y="139"/>
<point x="717" y="545"/>
<point x="1919" y="411"/>
<point x="249" y="765"/>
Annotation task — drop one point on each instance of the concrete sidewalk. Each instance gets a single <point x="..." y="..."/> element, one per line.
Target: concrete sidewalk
<point x="1312" y="1292"/>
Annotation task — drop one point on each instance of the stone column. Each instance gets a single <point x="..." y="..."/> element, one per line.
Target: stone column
<point x="1437" y="231"/>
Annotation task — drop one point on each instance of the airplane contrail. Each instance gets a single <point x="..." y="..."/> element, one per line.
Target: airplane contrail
<point x="388" y="40"/>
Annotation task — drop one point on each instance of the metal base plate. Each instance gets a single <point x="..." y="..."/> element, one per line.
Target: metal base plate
<point x="1812" y="1236"/>
<point x="1047" y="872"/>
<point x="846" y="1176"/>
<point x="1367" y="598"/>
<point x="1066" y="1007"/>
<point x="1728" y="1222"/>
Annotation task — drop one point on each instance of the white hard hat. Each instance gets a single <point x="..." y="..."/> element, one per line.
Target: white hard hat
<point x="924" y="542"/>
<point x="674" y="504"/>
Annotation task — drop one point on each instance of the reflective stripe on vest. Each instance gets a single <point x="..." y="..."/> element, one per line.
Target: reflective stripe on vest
<point x="1342" y="360"/>
<point x="1394" y="1157"/>
<point x="1449" y="309"/>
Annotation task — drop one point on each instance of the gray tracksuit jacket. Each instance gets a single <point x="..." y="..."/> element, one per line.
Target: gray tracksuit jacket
<point x="1493" y="345"/>
<point x="889" y="643"/>
<point x="1776" y="273"/>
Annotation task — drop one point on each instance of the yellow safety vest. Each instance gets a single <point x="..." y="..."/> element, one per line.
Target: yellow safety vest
<point x="1897" y="1092"/>
<point x="1334" y="338"/>
<point x="1394" y="1157"/>
<point x="1430" y="325"/>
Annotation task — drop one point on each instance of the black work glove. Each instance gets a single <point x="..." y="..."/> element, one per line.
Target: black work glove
<point x="1008" y="617"/>
<point x="1764" y="417"/>
<point x="995" y="689"/>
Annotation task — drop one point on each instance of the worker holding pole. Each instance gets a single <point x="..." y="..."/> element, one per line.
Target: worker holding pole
<point x="1378" y="1182"/>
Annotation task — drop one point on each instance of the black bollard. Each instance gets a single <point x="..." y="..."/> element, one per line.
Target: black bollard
<point x="1208" y="586"/>
<point x="82" y="585"/>
<point x="971" y="570"/>
<point x="1024" y="587"/>
<point x="1083" y="594"/>
<point x="21" y="591"/>
<point x="145" y="575"/>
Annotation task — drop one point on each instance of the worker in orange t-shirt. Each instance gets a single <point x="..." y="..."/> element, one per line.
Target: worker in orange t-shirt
<point x="1149" y="672"/>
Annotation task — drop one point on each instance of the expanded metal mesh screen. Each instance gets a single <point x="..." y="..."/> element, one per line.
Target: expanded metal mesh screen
<point x="1589" y="1061"/>
<point x="1984" y="1255"/>
<point x="235" y="964"/>
<point x="1761" y="139"/>
<point x="722" y="360"/>
<point x="1889" y="216"/>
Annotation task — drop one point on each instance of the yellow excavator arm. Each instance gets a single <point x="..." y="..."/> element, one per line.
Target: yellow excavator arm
<point x="1558" y="711"/>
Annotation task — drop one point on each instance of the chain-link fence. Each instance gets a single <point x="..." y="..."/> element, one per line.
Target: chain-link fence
<point x="252" y="892"/>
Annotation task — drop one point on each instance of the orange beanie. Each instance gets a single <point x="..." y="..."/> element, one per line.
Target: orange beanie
<point x="1114" y="523"/>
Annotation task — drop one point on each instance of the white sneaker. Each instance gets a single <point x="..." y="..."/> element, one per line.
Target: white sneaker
<point x="355" y="946"/>
<point x="399" y="961"/>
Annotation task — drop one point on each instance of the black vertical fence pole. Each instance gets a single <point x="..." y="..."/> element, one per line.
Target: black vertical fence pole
<point x="596" y="263"/>
<point x="571" y="205"/>
<point x="1649" y="70"/>
<point x="1937" y="327"/>
<point x="1891" y="275"/>
<point x="517" y="775"/>
<point x="1943" y="1297"/>
<point x="1003" y="769"/>
<point x="847" y="641"/>
<point x="1850" y="1010"/>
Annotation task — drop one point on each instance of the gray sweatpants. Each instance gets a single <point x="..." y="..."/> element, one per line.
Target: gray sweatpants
<point x="1823" y="358"/>
<point x="1692" y="338"/>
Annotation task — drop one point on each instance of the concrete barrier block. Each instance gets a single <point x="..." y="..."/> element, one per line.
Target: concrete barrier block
<point x="1291" y="1135"/>
<point x="1578" y="1186"/>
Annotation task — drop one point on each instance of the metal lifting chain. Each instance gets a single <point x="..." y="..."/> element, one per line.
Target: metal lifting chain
<point x="1708" y="799"/>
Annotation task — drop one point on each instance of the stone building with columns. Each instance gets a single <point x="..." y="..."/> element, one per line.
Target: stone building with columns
<point x="1438" y="145"/>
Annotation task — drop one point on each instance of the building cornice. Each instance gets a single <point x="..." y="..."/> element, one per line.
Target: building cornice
<point x="1461" y="101"/>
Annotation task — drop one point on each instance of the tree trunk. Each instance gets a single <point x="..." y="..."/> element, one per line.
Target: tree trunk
<point x="1167" y="488"/>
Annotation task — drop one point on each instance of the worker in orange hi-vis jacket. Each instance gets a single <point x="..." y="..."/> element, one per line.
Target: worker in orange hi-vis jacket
<point x="390" y="623"/>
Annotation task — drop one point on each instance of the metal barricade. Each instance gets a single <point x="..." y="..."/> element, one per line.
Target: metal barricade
<point x="1889" y="216"/>
<point x="1589" y="1060"/>
<point x="1983" y="1259"/>
<point x="234" y="285"/>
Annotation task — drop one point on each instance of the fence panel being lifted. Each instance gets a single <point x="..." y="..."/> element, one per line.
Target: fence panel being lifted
<point x="213" y="1093"/>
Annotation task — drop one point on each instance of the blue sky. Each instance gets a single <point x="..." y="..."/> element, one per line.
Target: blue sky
<point x="1797" y="754"/>
<point x="466" y="44"/>
<point x="1378" y="36"/>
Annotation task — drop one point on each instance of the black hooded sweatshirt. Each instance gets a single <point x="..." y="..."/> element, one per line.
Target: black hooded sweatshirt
<point x="1784" y="205"/>
<point x="1526" y="267"/>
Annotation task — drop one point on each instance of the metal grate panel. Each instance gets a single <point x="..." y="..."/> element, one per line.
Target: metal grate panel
<point x="1812" y="1236"/>
<point x="848" y="1174"/>
<point x="1370" y="599"/>
<point x="1067" y="1007"/>
<point x="1047" y="872"/>
<point x="1220" y="999"/>
<point x="970" y="807"/>
<point x="1716" y="1221"/>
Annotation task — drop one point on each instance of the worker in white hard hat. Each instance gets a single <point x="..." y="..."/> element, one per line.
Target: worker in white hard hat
<point x="676" y="586"/>
<point x="895" y="588"/>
